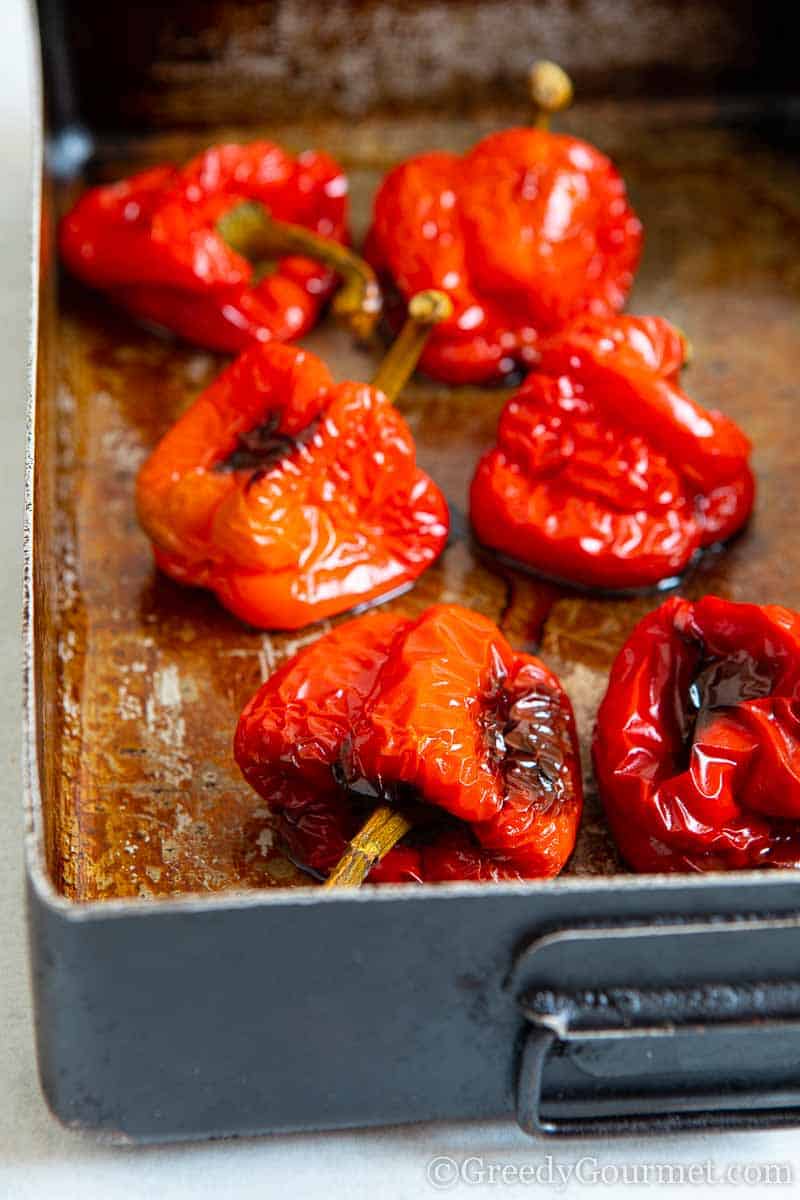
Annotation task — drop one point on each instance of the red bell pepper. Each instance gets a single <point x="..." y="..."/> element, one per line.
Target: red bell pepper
<point x="166" y="243"/>
<point x="697" y="744"/>
<point x="606" y="473"/>
<point x="437" y="717"/>
<point x="524" y="233"/>
<point x="291" y="497"/>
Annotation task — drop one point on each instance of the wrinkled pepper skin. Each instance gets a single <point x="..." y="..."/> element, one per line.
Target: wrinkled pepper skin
<point x="437" y="714"/>
<point x="150" y="242"/>
<point x="606" y="474"/>
<point x="697" y="743"/>
<point x="290" y="497"/>
<point x="524" y="233"/>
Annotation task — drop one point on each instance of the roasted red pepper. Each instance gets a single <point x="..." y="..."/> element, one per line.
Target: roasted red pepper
<point x="697" y="744"/>
<point x="524" y="233"/>
<point x="437" y="716"/>
<point x="155" y="243"/>
<point x="289" y="496"/>
<point x="605" y="473"/>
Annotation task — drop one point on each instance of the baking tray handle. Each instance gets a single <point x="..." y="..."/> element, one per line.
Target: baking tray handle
<point x="694" y="1042"/>
<point x="717" y="1109"/>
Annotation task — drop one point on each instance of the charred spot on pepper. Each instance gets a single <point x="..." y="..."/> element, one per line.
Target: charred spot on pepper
<point x="364" y="793"/>
<point x="261" y="448"/>
<point x="535" y="741"/>
<point x="724" y="682"/>
<point x="525" y="732"/>
<point x="429" y="822"/>
<point x="720" y="683"/>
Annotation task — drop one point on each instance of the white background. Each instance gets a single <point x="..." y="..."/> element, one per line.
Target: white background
<point x="38" y="1159"/>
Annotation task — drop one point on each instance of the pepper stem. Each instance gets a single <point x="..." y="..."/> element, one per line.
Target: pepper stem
<point x="425" y="310"/>
<point x="385" y="827"/>
<point x="249" y="229"/>
<point x="373" y="842"/>
<point x="551" y="90"/>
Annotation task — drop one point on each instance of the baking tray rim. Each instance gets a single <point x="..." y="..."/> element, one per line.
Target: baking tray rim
<point x="763" y="884"/>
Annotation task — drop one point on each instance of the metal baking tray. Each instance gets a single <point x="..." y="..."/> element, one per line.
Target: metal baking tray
<point x="188" y="981"/>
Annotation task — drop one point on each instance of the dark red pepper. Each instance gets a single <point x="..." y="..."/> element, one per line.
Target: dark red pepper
<point x="606" y="473"/>
<point x="166" y="245"/>
<point x="437" y="717"/>
<point x="697" y="744"/>
<point x="524" y="233"/>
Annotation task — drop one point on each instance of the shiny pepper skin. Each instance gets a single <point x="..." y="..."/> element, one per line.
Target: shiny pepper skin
<point x="151" y="243"/>
<point x="289" y="496"/>
<point x="697" y="744"/>
<point x="437" y="714"/>
<point x="606" y="474"/>
<point x="524" y="233"/>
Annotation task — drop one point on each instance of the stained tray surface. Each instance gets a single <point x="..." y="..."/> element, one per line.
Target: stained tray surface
<point x="142" y="680"/>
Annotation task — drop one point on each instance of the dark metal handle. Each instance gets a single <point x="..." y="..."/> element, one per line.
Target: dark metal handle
<point x="650" y="1027"/>
<point x="718" y="1110"/>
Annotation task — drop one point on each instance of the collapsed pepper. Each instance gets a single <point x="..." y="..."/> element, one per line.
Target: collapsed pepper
<point x="439" y="721"/>
<point x="697" y="744"/>
<point x="524" y="233"/>
<point x="174" y="245"/>
<point x="291" y="497"/>
<point x="606" y="473"/>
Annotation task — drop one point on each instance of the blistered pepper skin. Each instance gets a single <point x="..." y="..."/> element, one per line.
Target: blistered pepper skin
<point x="697" y="744"/>
<point x="438" y="714"/>
<point x="290" y="497"/>
<point x="606" y="474"/>
<point x="151" y="243"/>
<point x="524" y="233"/>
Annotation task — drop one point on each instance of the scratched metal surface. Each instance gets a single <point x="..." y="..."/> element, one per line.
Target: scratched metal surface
<point x="142" y="681"/>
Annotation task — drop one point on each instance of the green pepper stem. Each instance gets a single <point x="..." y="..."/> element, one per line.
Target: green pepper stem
<point x="425" y="310"/>
<point x="249" y="229"/>
<point x="550" y="89"/>
<point x="373" y="842"/>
